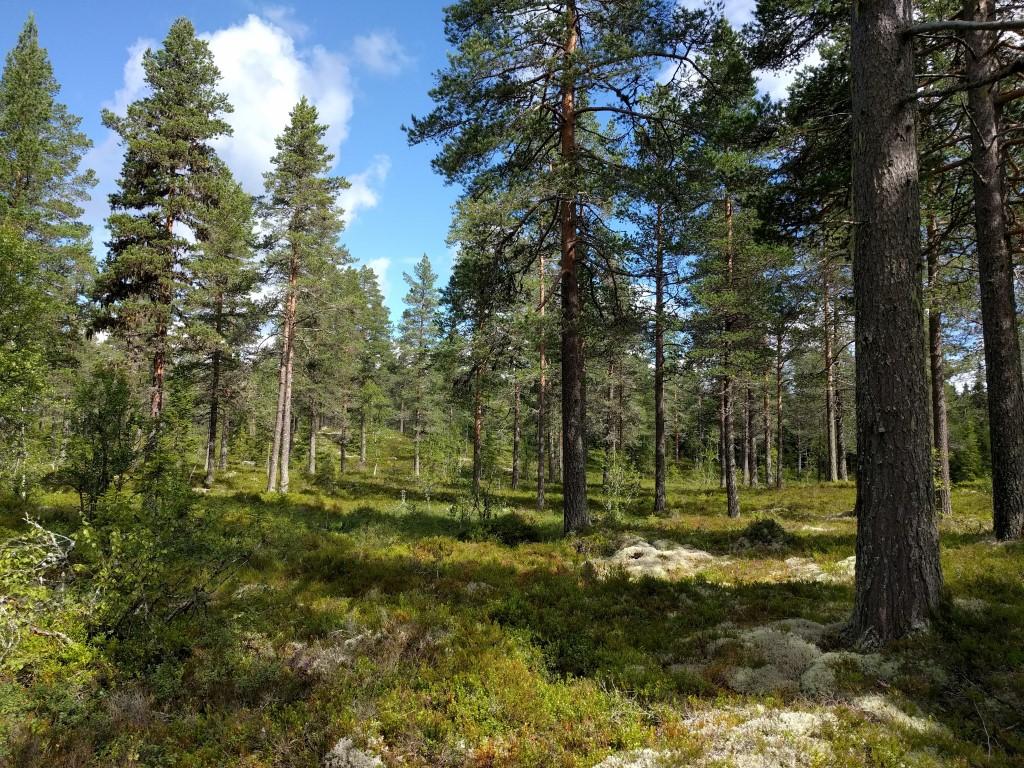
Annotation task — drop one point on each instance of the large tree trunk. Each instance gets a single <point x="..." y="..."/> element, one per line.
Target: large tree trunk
<point x="940" y="423"/>
<point x="211" y="431"/>
<point x="830" y="416"/>
<point x="282" y="423"/>
<point x="516" y="434"/>
<point x="574" y="474"/>
<point x="659" y="371"/>
<point x="1005" y="385"/>
<point x="541" y="387"/>
<point x="898" y="581"/>
<point x="731" y="492"/>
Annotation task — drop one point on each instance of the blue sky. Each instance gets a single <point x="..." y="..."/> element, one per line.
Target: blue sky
<point x="368" y="66"/>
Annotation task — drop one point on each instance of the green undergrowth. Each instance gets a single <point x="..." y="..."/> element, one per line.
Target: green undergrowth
<point x="436" y="634"/>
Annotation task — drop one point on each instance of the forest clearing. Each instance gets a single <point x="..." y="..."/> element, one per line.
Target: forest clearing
<point x="665" y="409"/>
<point x="431" y="637"/>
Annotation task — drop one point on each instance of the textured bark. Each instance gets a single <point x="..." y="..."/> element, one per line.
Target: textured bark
<point x="417" y="437"/>
<point x="898" y="580"/>
<point x="659" y="370"/>
<point x="517" y="434"/>
<point x="940" y="422"/>
<point x="1005" y="384"/>
<point x="282" y="423"/>
<point x="574" y="473"/>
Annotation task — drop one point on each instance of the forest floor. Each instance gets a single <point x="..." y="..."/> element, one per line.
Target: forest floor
<point x="370" y="627"/>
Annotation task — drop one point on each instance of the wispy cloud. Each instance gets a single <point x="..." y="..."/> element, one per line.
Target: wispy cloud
<point x="381" y="52"/>
<point x="364" y="192"/>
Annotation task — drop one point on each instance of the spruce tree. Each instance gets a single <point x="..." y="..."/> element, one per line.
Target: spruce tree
<point x="304" y="221"/>
<point x="169" y="179"/>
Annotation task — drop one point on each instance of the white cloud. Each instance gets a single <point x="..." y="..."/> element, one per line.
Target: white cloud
<point x="776" y="84"/>
<point x="264" y="75"/>
<point x="364" y="190"/>
<point x="134" y="77"/>
<point x="380" y="268"/>
<point x="381" y="52"/>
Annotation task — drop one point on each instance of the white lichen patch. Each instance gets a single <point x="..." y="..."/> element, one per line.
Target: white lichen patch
<point x="345" y="755"/>
<point x="884" y="710"/>
<point x="785" y="658"/>
<point x="660" y="560"/>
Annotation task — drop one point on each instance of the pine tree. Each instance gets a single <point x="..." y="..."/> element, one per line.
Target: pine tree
<point x="45" y="260"/>
<point x="304" y="222"/>
<point x="418" y="337"/>
<point x="169" y="179"/>
<point x="221" y="317"/>
<point x="517" y="113"/>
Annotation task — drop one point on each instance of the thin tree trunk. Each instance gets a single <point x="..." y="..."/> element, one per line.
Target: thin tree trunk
<point x="275" y="447"/>
<point x="831" y="465"/>
<point x="286" y="435"/>
<point x="516" y="434"/>
<point x="940" y="423"/>
<point x="721" y="439"/>
<point x="211" y="436"/>
<point x="478" y="425"/>
<point x="898" y="581"/>
<point x="731" y="492"/>
<point x="225" y="435"/>
<point x="838" y="390"/>
<point x="779" y="363"/>
<point x="659" y="370"/>
<point x="609" y="437"/>
<point x="574" y="475"/>
<point x="1005" y="384"/>
<point x="314" y="425"/>
<point x="748" y="438"/>
<point x="766" y="428"/>
<point x="541" y="387"/>
<point x="362" y="438"/>
<point x="343" y="440"/>
<point x="416" y="442"/>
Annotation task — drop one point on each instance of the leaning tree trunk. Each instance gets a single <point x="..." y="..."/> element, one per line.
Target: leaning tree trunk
<point x="574" y="456"/>
<point x="1005" y="384"/>
<point x="659" y="371"/>
<point x="940" y="422"/>
<point x="898" y="580"/>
